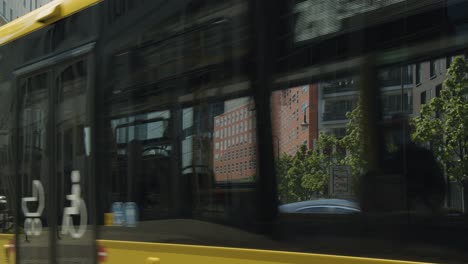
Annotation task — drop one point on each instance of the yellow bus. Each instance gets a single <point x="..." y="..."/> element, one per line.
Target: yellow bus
<point x="235" y="131"/>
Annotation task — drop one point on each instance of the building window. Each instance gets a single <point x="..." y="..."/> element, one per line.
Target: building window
<point x="294" y="98"/>
<point x="395" y="103"/>
<point x="304" y="107"/>
<point x="11" y="14"/>
<point x="435" y="68"/>
<point x="448" y="61"/>
<point x="305" y="88"/>
<point x="336" y="110"/>
<point x="423" y="97"/>
<point x="35" y="6"/>
<point x="418" y="73"/>
<point x="438" y="89"/>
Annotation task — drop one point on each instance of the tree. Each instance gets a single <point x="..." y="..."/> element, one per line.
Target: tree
<point x="306" y="173"/>
<point x="443" y="124"/>
<point x="288" y="187"/>
<point x="353" y="142"/>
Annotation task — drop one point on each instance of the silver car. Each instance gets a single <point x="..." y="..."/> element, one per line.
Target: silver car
<point x="321" y="206"/>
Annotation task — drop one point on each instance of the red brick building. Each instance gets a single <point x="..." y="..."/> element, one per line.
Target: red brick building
<point x="295" y="118"/>
<point x="234" y="144"/>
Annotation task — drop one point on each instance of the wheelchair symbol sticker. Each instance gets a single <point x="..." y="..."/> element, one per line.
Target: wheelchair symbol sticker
<point x="78" y="207"/>
<point x="33" y="223"/>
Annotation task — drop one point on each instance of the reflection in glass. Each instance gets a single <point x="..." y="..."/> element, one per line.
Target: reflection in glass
<point x="75" y="235"/>
<point x="34" y="168"/>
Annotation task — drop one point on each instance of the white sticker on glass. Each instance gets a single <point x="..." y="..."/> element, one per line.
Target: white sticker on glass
<point x="33" y="223"/>
<point x="78" y="207"/>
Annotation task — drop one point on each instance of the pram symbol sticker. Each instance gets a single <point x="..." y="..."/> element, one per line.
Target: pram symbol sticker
<point x="33" y="223"/>
<point x="78" y="207"/>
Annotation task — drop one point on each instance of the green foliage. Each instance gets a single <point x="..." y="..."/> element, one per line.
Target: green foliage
<point x="306" y="174"/>
<point x="443" y="123"/>
<point x="353" y="142"/>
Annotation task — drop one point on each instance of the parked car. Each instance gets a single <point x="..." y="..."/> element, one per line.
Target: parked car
<point x="321" y="206"/>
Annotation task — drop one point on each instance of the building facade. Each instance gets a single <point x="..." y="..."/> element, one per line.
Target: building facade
<point x="235" y="149"/>
<point x="295" y="118"/>
<point x="337" y="98"/>
<point x="12" y="9"/>
<point x="429" y="78"/>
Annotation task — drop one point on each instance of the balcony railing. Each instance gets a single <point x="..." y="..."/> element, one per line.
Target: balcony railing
<point x="395" y="82"/>
<point x="407" y="109"/>
<point x="334" y="116"/>
<point x="336" y="88"/>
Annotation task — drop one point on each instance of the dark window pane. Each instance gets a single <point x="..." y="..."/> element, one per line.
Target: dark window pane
<point x="418" y="72"/>
<point x="423" y="98"/>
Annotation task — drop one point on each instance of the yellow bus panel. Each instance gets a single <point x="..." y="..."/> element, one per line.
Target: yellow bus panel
<point x="7" y="252"/>
<point x="120" y="252"/>
<point x="42" y="17"/>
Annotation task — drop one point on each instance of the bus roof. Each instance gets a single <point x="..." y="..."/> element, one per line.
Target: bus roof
<point x="41" y="17"/>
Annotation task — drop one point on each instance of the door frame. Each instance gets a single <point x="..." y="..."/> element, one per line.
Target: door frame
<point x="50" y="65"/>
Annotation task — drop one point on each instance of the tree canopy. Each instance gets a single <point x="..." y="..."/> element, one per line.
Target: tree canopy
<point x="443" y="123"/>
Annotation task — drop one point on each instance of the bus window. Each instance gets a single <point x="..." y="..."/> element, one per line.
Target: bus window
<point x="178" y="129"/>
<point x="33" y="167"/>
<point x="72" y="161"/>
<point x="313" y="125"/>
<point x="363" y="117"/>
<point x="7" y="183"/>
